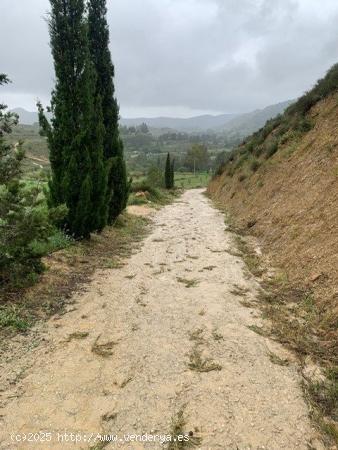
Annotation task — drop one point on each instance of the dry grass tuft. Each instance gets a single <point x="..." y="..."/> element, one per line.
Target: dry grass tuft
<point x="239" y="291"/>
<point x="77" y="335"/>
<point x="180" y="439"/>
<point x="259" y="330"/>
<point x="197" y="335"/>
<point x="103" y="350"/>
<point x="217" y="336"/>
<point x="199" y="364"/>
<point x="188" y="283"/>
<point x="275" y="359"/>
<point x="210" y="268"/>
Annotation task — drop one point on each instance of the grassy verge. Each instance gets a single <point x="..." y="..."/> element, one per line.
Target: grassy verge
<point x="143" y="193"/>
<point x="188" y="180"/>
<point x="66" y="271"/>
<point x="299" y="321"/>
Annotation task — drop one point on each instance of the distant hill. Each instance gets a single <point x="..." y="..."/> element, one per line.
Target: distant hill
<point x="242" y="124"/>
<point x="191" y="124"/>
<point x="198" y="123"/>
<point x="246" y="124"/>
<point x="26" y="117"/>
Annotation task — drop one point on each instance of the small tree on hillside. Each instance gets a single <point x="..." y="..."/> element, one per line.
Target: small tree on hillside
<point x="155" y="176"/>
<point x="167" y="173"/>
<point x="197" y="158"/>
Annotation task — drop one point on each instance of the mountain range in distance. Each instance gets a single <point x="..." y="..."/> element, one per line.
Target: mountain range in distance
<point x="242" y="124"/>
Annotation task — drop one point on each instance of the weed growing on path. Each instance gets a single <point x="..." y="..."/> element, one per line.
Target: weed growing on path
<point x="275" y="359"/>
<point x="77" y="335"/>
<point x="188" y="283"/>
<point x="103" y="350"/>
<point x="197" y="335"/>
<point x="180" y="439"/>
<point x="216" y="335"/>
<point x="199" y="364"/>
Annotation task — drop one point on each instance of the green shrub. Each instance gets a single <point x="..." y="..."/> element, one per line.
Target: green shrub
<point x="155" y="177"/>
<point x="240" y="162"/>
<point x="254" y="165"/>
<point x="258" y="150"/>
<point x="271" y="148"/>
<point x="304" y="125"/>
<point x="57" y="241"/>
<point x="250" y="147"/>
<point x="10" y="316"/>
<point x="133" y="200"/>
<point x="220" y="170"/>
<point x="230" y="172"/>
<point x="321" y="90"/>
<point x="24" y="218"/>
<point x="144" y="186"/>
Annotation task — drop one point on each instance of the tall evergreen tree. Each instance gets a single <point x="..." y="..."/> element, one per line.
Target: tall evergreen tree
<point x="118" y="186"/>
<point x="172" y="174"/>
<point x="167" y="173"/>
<point x="76" y="132"/>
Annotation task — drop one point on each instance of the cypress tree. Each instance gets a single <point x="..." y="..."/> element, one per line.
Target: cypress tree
<point x="99" y="213"/>
<point x="75" y="134"/>
<point x="118" y="186"/>
<point x="167" y="173"/>
<point x="172" y="174"/>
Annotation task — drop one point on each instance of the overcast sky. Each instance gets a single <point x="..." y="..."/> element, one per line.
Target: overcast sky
<point x="184" y="57"/>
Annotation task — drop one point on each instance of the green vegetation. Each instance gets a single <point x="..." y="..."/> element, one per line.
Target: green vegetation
<point x="11" y="316"/>
<point x="278" y="132"/>
<point x="180" y="439"/>
<point x="321" y="90"/>
<point x="67" y="270"/>
<point x="118" y="186"/>
<point x="86" y="153"/>
<point x="188" y="180"/>
<point x="144" y="193"/>
<point x="25" y="222"/>
<point x="197" y="158"/>
<point x="200" y="364"/>
<point x="169" y="173"/>
<point x="75" y="137"/>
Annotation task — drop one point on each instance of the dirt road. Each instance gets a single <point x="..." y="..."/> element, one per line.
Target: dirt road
<point x="166" y="331"/>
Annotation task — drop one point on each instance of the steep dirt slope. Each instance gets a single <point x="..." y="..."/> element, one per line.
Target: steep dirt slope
<point x="291" y="202"/>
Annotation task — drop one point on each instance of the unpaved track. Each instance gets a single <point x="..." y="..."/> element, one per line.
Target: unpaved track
<point x="143" y="379"/>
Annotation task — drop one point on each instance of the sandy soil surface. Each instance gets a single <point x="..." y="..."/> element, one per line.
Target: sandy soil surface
<point x="118" y="361"/>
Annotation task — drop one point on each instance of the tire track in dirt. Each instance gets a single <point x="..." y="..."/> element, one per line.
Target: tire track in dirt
<point x="166" y="330"/>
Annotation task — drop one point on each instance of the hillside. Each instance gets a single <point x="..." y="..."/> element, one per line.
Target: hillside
<point x="242" y="124"/>
<point x="191" y="124"/>
<point x="165" y="134"/>
<point x="248" y="123"/>
<point x="281" y="185"/>
<point x="197" y="123"/>
<point x="27" y="117"/>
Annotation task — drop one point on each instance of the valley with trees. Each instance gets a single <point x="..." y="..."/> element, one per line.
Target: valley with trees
<point x="165" y="282"/>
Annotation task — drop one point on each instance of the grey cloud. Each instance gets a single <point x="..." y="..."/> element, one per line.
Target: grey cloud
<point x="186" y="55"/>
